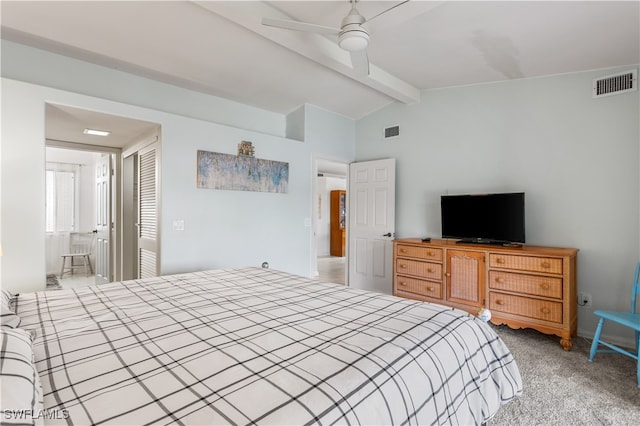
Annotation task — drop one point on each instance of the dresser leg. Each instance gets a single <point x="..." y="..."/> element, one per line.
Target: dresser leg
<point x="566" y="344"/>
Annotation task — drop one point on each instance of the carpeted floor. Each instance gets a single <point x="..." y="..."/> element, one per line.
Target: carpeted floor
<point x="564" y="388"/>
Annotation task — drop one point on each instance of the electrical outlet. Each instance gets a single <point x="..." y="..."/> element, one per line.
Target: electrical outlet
<point x="584" y="299"/>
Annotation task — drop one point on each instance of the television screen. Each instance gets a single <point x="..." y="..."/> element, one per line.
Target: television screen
<point x="484" y="218"/>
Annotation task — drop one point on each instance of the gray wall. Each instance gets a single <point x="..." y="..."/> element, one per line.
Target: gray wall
<point x="575" y="157"/>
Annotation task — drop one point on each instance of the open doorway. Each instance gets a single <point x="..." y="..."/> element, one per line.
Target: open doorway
<point x="330" y="221"/>
<point x="73" y="250"/>
<point x="84" y="193"/>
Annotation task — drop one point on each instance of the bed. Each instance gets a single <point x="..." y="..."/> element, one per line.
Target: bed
<point x="259" y="346"/>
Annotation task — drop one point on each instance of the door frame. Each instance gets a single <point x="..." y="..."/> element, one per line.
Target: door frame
<point x="313" y="261"/>
<point x="114" y="250"/>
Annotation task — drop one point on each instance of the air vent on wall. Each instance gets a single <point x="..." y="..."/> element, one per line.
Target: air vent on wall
<point x="391" y="132"/>
<point x="615" y="84"/>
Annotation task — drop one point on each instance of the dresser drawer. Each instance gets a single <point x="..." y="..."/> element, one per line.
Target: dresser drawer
<point x="427" y="253"/>
<point x="421" y="269"/>
<point x="549" y="265"/>
<point x="529" y="284"/>
<point x="525" y="306"/>
<point x="424" y="288"/>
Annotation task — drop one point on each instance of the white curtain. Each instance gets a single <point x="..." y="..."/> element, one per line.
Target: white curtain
<point x="61" y="199"/>
<point x="56" y="243"/>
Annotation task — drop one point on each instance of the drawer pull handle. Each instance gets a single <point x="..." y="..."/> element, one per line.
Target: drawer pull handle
<point x="429" y="288"/>
<point x="429" y="270"/>
<point x="402" y="265"/>
<point x="499" y="302"/>
<point x="499" y="280"/>
<point x="546" y="265"/>
<point x="499" y="260"/>
<point x="403" y="251"/>
<point x="544" y="286"/>
<point x="447" y="274"/>
<point x="430" y="254"/>
<point x="545" y="310"/>
<point x="403" y="284"/>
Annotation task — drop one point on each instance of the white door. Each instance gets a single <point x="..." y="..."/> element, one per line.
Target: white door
<point x="372" y="193"/>
<point x="103" y="219"/>
<point x="148" y="211"/>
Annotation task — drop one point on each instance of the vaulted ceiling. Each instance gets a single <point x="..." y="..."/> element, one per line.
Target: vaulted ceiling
<point x="222" y="48"/>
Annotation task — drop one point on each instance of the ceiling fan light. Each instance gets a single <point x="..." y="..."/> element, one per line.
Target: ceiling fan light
<point x="354" y="41"/>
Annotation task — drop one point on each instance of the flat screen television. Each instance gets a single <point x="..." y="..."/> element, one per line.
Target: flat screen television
<point x="483" y="218"/>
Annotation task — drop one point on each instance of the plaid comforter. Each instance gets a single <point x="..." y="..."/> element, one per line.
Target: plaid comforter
<point x="260" y="346"/>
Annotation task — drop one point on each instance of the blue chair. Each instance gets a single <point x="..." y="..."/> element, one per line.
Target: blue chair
<point x="629" y="319"/>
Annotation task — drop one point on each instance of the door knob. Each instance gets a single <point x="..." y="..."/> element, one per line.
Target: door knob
<point x="388" y="234"/>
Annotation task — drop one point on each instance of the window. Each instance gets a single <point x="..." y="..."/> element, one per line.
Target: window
<point x="60" y="198"/>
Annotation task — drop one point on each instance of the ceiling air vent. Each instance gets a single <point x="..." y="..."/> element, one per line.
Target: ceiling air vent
<point x="391" y="132"/>
<point x="615" y="84"/>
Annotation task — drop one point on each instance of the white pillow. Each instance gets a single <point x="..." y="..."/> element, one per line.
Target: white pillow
<point x="21" y="391"/>
<point x="7" y="315"/>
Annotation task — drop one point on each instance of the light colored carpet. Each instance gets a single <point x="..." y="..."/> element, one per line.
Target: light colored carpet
<point x="564" y="388"/>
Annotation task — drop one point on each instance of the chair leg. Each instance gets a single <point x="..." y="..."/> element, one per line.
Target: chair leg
<point x="596" y="340"/>
<point x="638" y="356"/>
<point x="89" y="262"/>
<point x="64" y="259"/>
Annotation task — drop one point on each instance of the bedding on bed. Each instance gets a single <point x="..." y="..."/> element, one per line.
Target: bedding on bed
<point x="254" y="345"/>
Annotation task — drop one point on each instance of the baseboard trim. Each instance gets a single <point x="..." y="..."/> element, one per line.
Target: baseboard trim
<point x="610" y="338"/>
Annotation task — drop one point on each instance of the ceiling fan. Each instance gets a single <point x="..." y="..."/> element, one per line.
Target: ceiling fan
<point x="352" y="35"/>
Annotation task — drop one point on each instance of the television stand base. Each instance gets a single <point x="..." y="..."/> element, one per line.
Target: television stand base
<point x="479" y="241"/>
<point x="514" y="245"/>
<point x="488" y="242"/>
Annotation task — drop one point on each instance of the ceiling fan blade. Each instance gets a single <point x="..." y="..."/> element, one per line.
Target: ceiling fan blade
<point x="299" y="26"/>
<point x="387" y="10"/>
<point x="360" y="62"/>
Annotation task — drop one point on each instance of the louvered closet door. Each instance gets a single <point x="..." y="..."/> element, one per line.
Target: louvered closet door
<point x="148" y="212"/>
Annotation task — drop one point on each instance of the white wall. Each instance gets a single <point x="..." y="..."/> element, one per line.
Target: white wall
<point x="575" y="157"/>
<point x="20" y="62"/>
<point x="222" y="228"/>
<point x="232" y="228"/>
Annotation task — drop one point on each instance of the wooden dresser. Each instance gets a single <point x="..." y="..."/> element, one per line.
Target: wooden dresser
<point x="524" y="287"/>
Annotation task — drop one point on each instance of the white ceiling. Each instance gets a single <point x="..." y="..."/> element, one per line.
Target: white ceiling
<point x="67" y="124"/>
<point x="221" y="48"/>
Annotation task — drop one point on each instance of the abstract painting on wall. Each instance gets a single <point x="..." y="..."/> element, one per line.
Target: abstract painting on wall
<point x="241" y="173"/>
